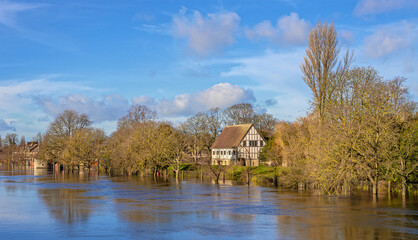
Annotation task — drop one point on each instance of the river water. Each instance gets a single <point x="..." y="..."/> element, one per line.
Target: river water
<point x="44" y="205"/>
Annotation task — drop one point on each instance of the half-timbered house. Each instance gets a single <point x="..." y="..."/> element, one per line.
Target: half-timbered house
<point x="238" y="145"/>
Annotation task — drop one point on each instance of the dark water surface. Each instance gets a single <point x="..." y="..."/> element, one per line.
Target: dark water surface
<point x="43" y="205"/>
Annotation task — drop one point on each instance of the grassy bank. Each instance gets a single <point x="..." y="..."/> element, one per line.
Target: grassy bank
<point x="256" y="175"/>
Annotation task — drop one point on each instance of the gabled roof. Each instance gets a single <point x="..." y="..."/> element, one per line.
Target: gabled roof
<point x="231" y="136"/>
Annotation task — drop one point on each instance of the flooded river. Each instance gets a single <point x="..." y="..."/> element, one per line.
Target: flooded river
<point x="43" y="205"/>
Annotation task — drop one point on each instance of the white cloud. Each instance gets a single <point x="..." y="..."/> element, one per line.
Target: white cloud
<point x="288" y="30"/>
<point x="4" y="126"/>
<point x="111" y="107"/>
<point x="9" y="11"/>
<point x="269" y="68"/>
<point x="206" y="35"/>
<point x="144" y="100"/>
<point x="220" y="95"/>
<point x="275" y="74"/>
<point x="389" y="39"/>
<point x="16" y="96"/>
<point x="373" y="7"/>
<point x="17" y="101"/>
<point x="346" y="36"/>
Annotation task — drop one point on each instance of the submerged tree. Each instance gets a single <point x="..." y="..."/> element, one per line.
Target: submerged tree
<point x="177" y="141"/>
<point x="59" y="134"/>
<point x="83" y="146"/>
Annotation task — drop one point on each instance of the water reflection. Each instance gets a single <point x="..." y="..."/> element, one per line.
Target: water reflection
<point x="67" y="200"/>
<point x="336" y="218"/>
<point x="66" y="205"/>
<point x="97" y="206"/>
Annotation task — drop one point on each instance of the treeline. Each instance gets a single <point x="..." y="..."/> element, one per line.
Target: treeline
<point x="12" y="150"/>
<point x="142" y="144"/>
<point x="361" y="128"/>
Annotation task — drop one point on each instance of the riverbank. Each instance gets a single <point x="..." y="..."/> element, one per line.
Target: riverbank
<point x="281" y="177"/>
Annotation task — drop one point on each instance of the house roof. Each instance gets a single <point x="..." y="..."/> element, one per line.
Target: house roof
<point x="231" y="136"/>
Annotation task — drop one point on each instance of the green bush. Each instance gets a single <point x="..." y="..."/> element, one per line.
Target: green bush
<point x="187" y="167"/>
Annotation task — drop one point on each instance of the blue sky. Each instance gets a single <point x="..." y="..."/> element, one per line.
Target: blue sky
<point x="181" y="57"/>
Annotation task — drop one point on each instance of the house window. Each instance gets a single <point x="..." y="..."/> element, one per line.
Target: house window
<point x="255" y="143"/>
<point x="244" y="143"/>
<point x="229" y="153"/>
<point x="217" y="152"/>
<point x="261" y="143"/>
<point x="213" y="153"/>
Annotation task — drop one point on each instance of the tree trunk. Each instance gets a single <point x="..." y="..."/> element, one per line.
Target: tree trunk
<point x="389" y="188"/>
<point x="177" y="174"/>
<point x="375" y="186"/>
<point x="217" y="178"/>
<point x="403" y="187"/>
<point x="275" y="180"/>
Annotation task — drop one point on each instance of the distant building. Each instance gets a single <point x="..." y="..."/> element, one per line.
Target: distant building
<point x="238" y="145"/>
<point x="31" y="152"/>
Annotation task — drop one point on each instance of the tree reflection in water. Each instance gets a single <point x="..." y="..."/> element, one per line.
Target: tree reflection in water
<point x="86" y="205"/>
<point x="339" y="218"/>
<point x="190" y="210"/>
<point x="68" y="203"/>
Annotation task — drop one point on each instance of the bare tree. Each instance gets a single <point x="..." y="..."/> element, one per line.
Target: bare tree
<point x="214" y="123"/>
<point x="11" y="139"/>
<point x="241" y="113"/>
<point x="137" y="114"/>
<point x="67" y="122"/>
<point x="83" y="146"/>
<point x="178" y="145"/>
<point x="319" y="67"/>
<point x="59" y="133"/>
<point x="265" y="123"/>
<point x="22" y="141"/>
<point x="405" y="151"/>
<point x="196" y="128"/>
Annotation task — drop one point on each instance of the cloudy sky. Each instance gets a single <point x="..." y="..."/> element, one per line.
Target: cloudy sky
<point x="181" y="57"/>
